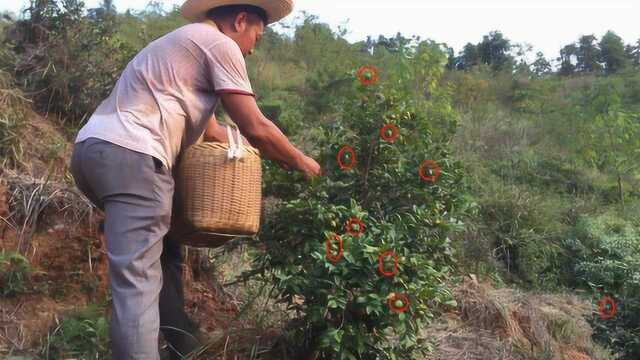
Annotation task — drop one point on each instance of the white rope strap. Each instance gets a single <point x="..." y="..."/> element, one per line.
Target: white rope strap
<point x="236" y="150"/>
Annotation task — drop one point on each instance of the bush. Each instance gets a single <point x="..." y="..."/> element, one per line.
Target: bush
<point x="15" y="271"/>
<point x="69" y="59"/>
<point x="527" y="229"/>
<point x="345" y="311"/>
<point x="607" y="260"/>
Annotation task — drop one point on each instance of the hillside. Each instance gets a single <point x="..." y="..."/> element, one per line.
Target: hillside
<point x="531" y="224"/>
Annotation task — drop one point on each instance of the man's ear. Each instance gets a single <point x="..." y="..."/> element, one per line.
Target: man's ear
<point x="241" y="22"/>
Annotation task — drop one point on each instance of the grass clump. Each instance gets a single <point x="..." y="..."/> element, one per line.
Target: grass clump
<point x="81" y="334"/>
<point x="15" y="271"/>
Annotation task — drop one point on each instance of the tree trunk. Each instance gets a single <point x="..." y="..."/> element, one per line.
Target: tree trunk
<point x="620" y="191"/>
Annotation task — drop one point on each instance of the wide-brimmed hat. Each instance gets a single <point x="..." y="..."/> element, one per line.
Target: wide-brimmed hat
<point x="195" y="10"/>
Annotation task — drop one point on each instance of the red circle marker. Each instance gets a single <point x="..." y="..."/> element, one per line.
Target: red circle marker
<point x="432" y="166"/>
<point x="391" y="301"/>
<point x="381" y="270"/>
<point x="333" y="258"/>
<point x="349" y="149"/>
<point x="394" y="133"/>
<point x="367" y="75"/>
<point x="348" y="227"/>
<point x="607" y="307"/>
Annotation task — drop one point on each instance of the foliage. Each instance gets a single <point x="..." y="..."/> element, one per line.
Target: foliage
<point x="534" y="96"/>
<point x="68" y="59"/>
<point x="587" y="54"/>
<point x="606" y="259"/>
<point x="541" y="66"/>
<point x="526" y="230"/>
<point x="15" y="272"/>
<point x="613" y="55"/>
<point x="344" y="313"/>
<point x="493" y="51"/>
<point x="80" y="334"/>
<point x="137" y="29"/>
<point x="611" y="136"/>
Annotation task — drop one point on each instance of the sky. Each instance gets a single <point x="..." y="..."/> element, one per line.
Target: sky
<point x="547" y="25"/>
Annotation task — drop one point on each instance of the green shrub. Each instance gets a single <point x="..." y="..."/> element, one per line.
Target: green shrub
<point x="344" y="313"/>
<point x="80" y="334"/>
<point x="607" y="259"/>
<point x="15" y="271"/>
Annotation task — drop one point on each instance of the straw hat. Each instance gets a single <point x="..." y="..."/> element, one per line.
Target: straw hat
<point x="195" y="10"/>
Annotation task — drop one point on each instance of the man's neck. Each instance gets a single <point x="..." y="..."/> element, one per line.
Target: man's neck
<point x="212" y="23"/>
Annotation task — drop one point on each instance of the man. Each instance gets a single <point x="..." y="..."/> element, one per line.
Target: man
<point x="124" y="156"/>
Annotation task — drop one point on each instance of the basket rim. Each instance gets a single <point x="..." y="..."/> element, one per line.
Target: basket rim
<point x="216" y="145"/>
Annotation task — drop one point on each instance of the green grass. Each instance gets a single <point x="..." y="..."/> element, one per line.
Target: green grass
<point x="81" y="334"/>
<point x="14" y="274"/>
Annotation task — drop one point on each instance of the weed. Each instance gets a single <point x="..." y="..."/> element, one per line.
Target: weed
<point x="14" y="273"/>
<point x="81" y="334"/>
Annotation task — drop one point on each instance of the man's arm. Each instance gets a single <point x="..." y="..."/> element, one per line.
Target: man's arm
<point x="265" y="135"/>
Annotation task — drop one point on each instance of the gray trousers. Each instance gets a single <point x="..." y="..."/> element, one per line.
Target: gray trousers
<point x="136" y="193"/>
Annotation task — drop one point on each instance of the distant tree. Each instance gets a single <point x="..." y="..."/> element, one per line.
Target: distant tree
<point x="494" y="51"/>
<point x="154" y="8"/>
<point x="394" y="44"/>
<point x="451" y="59"/>
<point x="7" y="17"/>
<point x="109" y="6"/>
<point x="613" y="55"/>
<point x="521" y="54"/>
<point x="632" y="52"/>
<point x="541" y="66"/>
<point x="470" y="57"/>
<point x="106" y="11"/>
<point x="587" y="54"/>
<point x="368" y="45"/>
<point x="566" y="59"/>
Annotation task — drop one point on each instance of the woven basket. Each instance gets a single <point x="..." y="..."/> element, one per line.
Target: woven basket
<point x="218" y="193"/>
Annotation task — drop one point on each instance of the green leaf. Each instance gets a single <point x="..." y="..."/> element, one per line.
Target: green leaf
<point x="451" y="303"/>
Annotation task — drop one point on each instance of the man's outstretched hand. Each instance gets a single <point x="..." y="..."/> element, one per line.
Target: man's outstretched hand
<point x="310" y="168"/>
<point x="306" y="165"/>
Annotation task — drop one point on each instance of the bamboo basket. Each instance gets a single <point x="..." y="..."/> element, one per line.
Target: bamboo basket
<point x="218" y="193"/>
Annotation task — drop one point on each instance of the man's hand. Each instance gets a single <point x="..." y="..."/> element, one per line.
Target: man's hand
<point x="310" y="168"/>
<point x="284" y="166"/>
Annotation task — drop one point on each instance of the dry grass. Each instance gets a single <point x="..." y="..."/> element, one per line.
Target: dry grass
<point x="13" y="106"/>
<point x="32" y="202"/>
<point x="507" y="324"/>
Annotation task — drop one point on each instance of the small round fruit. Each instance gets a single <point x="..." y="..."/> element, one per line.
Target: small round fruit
<point x="398" y="304"/>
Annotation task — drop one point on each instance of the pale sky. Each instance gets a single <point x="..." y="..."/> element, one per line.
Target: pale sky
<point x="545" y="24"/>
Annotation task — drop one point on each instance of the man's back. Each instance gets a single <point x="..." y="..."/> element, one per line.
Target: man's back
<point x="167" y="93"/>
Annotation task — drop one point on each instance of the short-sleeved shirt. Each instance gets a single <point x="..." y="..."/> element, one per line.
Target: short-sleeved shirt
<point x="167" y="94"/>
